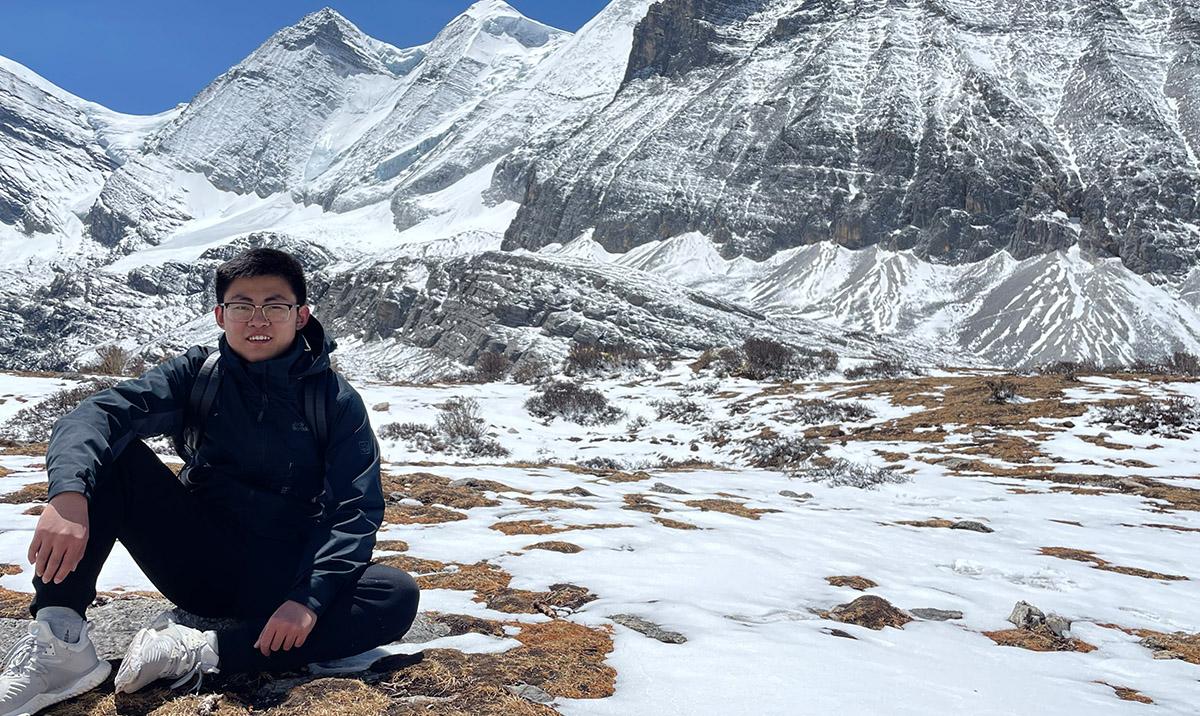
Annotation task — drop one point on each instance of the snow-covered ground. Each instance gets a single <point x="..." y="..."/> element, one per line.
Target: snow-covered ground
<point x="748" y="593"/>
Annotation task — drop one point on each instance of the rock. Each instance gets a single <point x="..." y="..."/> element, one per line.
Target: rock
<point x="936" y="615"/>
<point x="664" y="487"/>
<point x="424" y="629"/>
<point x="113" y="625"/>
<point x="1026" y="616"/>
<point x="798" y="496"/>
<point x="871" y="612"/>
<point x="381" y="407"/>
<point x="649" y="628"/>
<point x="529" y="692"/>
<point x="971" y="525"/>
<point x="1058" y="625"/>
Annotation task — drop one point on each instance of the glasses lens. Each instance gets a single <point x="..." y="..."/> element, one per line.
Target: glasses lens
<point x="276" y="312"/>
<point x="239" y="312"/>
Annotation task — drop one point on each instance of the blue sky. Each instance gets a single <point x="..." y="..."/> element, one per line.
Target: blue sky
<point x="145" y="56"/>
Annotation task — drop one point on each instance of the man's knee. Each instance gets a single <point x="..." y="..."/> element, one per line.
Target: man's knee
<point x="396" y="596"/>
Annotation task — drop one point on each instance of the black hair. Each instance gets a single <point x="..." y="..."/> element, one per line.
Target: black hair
<point x="262" y="262"/>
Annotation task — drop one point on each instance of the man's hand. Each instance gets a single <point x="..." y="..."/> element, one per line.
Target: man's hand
<point x="60" y="537"/>
<point x="289" y="626"/>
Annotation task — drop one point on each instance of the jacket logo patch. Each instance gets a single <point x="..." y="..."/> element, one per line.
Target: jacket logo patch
<point x="364" y="447"/>
<point x="300" y="427"/>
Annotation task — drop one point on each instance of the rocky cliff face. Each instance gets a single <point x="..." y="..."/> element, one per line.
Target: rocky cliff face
<point x="957" y="130"/>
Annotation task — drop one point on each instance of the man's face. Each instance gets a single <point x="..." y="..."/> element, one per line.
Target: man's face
<point x="259" y="339"/>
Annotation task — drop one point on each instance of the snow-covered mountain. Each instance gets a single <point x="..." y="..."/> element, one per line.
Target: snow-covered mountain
<point x="1014" y="182"/>
<point x="56" y="151"/>
<point x="956" y="129"/>
<point x="1056" y="306"/>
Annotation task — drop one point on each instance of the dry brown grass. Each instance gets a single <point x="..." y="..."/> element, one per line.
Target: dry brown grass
<point x="933" y="522"/>
<point x="333" y="697"/>
<point x="553" y="504"/>
<point x="625" y="476"/>
<point x="1104" y="442"/>
<point x="14" y="605"/>
<point x="465" y="623"/>
<point x="1179" y="645"/>
<point x="641" y="502"/>
<point x="392" y="545"/>
<point x="9" y="569"/>
<point x="1037" y="639"/>
<point x="538" y="527"/>
<point x="430" y="489"/>
<point x="35" y="510"/>
<point x="481" y="578"/>
<point x="490" y="584"/>
<point x="729" y="507"/>
<point x="5" y="472"/>
<point x="36" y="492"/>
<point x="1079" y="555"/>
<point x="527" y="527"/>
<point x="24" y="449"/>
<point x="412" y="565"/>
<point x="1156" y="525"/>
<point x="562" y="658"/>
<point x="869" y="611"/>
<point x="854" y="582"/>
<point x="564" y="547"/>
<point x="675" y="524"/>
<point x="420" y="515"/>
<point x="1127" y="694"/>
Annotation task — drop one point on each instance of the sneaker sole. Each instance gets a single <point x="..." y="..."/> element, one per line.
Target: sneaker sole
<point x="86" y="683"/>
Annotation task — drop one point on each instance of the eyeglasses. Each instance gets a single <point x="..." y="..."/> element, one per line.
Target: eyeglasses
<point x="244" y="312"/>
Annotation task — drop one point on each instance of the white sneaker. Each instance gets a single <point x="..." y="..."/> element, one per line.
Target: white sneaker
<point x="40" y="670"/>
<point x="165" y="650"/>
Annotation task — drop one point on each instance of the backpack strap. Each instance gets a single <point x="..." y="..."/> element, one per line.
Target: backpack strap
<point x="200" y="401"/>
<point x="315" y="399"/>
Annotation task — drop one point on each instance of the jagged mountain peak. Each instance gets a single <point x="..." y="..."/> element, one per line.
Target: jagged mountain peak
<point x="499" y="19"/>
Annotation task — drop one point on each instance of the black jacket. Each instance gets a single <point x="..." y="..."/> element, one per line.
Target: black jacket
<point x="257" y="459"/>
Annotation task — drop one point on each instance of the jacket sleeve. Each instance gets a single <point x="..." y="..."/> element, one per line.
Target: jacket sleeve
<point x="88" y="438"/>
<point x="344" y="544"/>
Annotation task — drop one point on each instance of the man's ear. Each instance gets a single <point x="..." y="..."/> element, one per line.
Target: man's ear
<point x="302" y="317"/>
<point x="219" y="314"/>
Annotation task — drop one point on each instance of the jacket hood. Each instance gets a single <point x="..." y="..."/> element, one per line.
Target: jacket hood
<point x="317" y="342"/>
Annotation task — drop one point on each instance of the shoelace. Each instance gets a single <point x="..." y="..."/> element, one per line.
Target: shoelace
<point x="188" y="646"/>
<point x="20" y="658"/>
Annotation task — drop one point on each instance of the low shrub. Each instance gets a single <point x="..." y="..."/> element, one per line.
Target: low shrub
<point x="779" y="452"/>
<point x="1068" y="369"/>
<point x="533" y="367"/>
<point x="601" y="463"/>
<point x="1001" y="392"/>
<point x="490" y="367"/>
<point x="458" y="430"/>
<point x="34" y="423"/>
<point x="838" y="472"/>
<point x="115" y="360"/>
<point x="821" y="411"/>
<point x="881" y="370"/>
<point x="767" y="359"/>
<point x="587" y="359"/>
<point x="1170" y="417"/>
<point x="574" y="403"/>
<point x="680" y="411"/>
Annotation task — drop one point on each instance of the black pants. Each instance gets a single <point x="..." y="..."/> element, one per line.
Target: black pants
<point x="201" y="559"/>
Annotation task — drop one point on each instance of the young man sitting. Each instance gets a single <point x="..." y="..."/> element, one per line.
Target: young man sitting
<point x="272" y="520"/>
